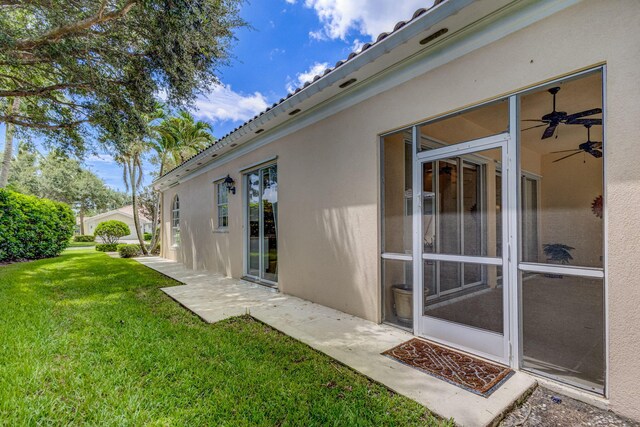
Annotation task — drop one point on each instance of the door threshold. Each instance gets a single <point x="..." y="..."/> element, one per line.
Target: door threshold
<point x="584" y="387"/>
<point x="398" y="326"/>
<point x="268" y="285"/>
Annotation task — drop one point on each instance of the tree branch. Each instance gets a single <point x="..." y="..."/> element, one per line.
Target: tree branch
<point x="9" y="3"/>
<point x="43" y="90"/>
<point x="67" y="30"/>
<point x="43" y="126"/>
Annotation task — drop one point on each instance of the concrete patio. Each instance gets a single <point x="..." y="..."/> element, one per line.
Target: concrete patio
<point x="352" y="341"/>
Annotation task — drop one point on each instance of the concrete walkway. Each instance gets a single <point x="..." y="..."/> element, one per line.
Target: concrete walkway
<point x="353" y="341"/>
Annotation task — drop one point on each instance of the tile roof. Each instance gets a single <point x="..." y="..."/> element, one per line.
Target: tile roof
<point x="126" y="210"/>
<point x="338" y="64"/>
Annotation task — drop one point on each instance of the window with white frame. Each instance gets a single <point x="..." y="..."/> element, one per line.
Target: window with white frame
<point x="175" y="221"/>
<point x="222" y="205"/>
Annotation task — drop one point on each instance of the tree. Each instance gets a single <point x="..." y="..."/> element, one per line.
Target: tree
<point x="179" y="138"/>
<point x="90" y="194"/>
<point x="65" y="180"/>
<point x="13" y="108"/>
<point x="130" y="157"/>
<point x="174" y="140"/>
<point x="25" y="176"/>
<point x="111" y="231"/>
<point x="94" y="68"/>
<point x="149" y="201"/>
<point x="131" y="147"/>
<point x="115" y="200"/>
<point x="60" y="178"/>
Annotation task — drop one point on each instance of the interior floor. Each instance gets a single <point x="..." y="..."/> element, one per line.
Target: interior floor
<point x="563" y="325"/>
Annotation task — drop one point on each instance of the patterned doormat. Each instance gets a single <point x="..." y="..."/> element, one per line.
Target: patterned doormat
<point x="470" y="373"/>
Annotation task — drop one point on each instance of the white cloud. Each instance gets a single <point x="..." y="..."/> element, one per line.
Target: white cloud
<point x="101" y="158"/>
<point x="367" y="17"/>
<point x="276" y="52"/>
<point x="223" y="104"/>
<point x="357" y="45"/>
<point x="306" y="76"/>
<point x="291" y="1"/>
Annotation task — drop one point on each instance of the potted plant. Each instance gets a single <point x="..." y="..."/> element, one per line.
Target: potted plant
<point x="557" y="253"/>
<point x="403" y="302"/>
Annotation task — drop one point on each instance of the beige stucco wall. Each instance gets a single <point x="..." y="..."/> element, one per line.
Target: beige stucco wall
<point x="329" y="175"/>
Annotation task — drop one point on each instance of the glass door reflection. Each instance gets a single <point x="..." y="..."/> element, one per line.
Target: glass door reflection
<point x="262" y="224"/>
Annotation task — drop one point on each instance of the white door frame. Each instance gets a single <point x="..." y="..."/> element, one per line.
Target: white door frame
<point x="487" y="344"/>
<point x="246" y="235"/>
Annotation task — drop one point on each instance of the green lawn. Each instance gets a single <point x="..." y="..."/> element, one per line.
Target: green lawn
<point x="82" y="244"/>
<point x="90" y="340"/>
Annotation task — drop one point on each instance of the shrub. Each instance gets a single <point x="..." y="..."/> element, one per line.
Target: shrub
<point x="112" y="231"/>
<point x="107" y="247"/>
<point x="84" y="238"/>
<point x="33" y="228"/>
<point x="128" y="251"/>
<point x="147" y="237"/>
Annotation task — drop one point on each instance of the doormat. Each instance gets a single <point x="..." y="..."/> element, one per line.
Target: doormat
<point x="472" y="374"/>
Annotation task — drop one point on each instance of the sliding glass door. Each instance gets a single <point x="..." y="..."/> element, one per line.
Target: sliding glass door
<point x="262" y="224"/>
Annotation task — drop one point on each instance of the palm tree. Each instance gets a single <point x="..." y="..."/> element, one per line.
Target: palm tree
<point x="131" y="160"/>
<point x="179" y="138"/>
<point x="130" y="156"/>
<point x="176" y="139"/>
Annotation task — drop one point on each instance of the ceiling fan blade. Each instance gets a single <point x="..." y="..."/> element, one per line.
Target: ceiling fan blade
<point x="596" y="153"/>
<point x="590" y="122"/>
<point x="566" y="151"/>
<point x="536" y="126"/>
<point x="548" y="132"/>
<point x="591" y="112"/>
<point x="566" y="157"/>
<point x="535" y="120"/>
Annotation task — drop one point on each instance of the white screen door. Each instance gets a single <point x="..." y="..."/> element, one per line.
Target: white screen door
<point x="459" y="259"/>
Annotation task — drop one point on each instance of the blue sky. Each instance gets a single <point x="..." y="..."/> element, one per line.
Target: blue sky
<point x="288" y="43"/>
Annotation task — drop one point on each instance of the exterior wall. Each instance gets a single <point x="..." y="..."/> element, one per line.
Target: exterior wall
<point x="329" y="175"/>
<point x="90" y="224"/>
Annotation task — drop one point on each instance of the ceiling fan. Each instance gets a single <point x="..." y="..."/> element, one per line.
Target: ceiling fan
<point x="592" y="147"/>
<point x="554" y="118"/>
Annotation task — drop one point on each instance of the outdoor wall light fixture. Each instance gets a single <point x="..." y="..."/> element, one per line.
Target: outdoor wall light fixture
<point x="230" y="184"/>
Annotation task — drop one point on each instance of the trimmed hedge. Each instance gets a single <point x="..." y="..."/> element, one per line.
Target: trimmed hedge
<point x="147" y="237"/>
<point x="107" y="247"/>
<point x="84" y="238"/>
<point x="129" y="250"/>
<point x="33" y="228"/>
<point x="111" y="231"/>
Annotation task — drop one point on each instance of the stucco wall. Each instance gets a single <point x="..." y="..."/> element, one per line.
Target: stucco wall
<point x="329" y="175"/>
<point x="91" y="224"/>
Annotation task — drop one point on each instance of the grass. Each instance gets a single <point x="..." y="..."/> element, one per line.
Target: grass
<point x="82" y="244"/>
<point x="88" y="339"/>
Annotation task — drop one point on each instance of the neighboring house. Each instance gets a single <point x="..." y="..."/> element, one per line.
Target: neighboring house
<point x="442" y="159"/>
<point x="124" y="214"/>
